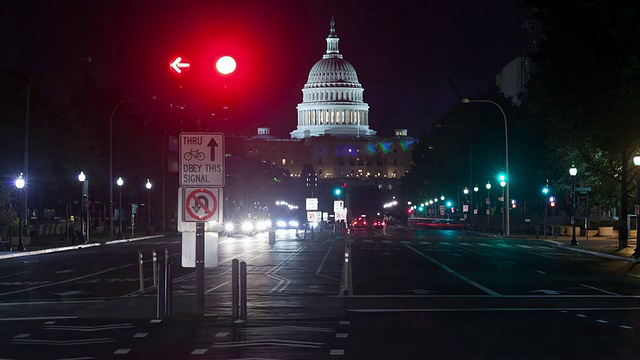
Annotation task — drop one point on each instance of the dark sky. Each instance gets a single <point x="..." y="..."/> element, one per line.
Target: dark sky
<point x="403" y="51"/>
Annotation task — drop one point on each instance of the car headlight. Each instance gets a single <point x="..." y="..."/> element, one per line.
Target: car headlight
<point x="293" y="223"/>
<point x="281" y="224"/>
<point x="229" y="227"/>
<point x="247" y="226"/>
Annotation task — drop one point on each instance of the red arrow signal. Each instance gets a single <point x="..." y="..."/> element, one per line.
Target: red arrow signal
<point x="179" y="65"/>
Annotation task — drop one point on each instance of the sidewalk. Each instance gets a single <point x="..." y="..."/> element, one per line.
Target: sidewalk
<point x="597" y="246"/>
<point x="55" y="243"/>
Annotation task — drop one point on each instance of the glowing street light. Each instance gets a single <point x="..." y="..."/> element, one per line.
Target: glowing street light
<point x="20" y="185"/>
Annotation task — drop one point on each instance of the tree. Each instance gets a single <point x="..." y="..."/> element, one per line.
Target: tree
<point x="587" y="83"/>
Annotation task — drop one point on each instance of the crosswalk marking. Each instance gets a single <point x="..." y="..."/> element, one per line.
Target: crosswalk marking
<point x="425" y="243"/>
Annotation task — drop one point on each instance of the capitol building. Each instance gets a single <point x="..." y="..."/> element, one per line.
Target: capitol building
<point x="333" y="133"/>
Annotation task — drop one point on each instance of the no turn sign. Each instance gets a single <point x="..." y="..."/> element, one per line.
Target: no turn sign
<point x="202" y="204"/>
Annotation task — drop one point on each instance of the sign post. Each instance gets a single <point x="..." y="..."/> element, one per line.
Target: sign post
<point x="201" y="174"/>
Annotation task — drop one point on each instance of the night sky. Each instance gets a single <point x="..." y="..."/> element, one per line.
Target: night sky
<point x="403" y="51"/>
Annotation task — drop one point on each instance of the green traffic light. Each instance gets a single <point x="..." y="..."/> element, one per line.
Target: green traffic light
<point x="545" y="190"/>
<point x="337" y="191"/>
<point x="501" y="178"/>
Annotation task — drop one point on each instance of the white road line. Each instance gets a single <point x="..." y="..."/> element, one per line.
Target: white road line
<point x="344" y="322"/>
<point x="342" y="335"/>
<point x="524" y="246"/>
<point x="484" y="244"/>
<point x="10" y="275"/>
<point x="532" y="253"/>
<point x="140" y="335"/>
<point x="282" y="281"/>
<point x="121" y="352"/>
<point x="604" y="291"/>
<point x="465" y="244"/>
<point x="336" y="352"/>
<point x="216" y="287"/>
<point x="221" y="334"/>
<point x="501" y="309"/>
<point x="155" y="321"/>
<point x="626" y="327"/>
<point x="66" y="281"/>
<point x="451" y="271"/>
<point x="386" y="241"/>
<point x="511" y="262"/>
<point x="541" y="272"/>
<point x="319" y="269"/>
<point x="580" y="315"/>
<point x="21" y="336"/>
<point x="425" y="243"/>
<point x="602" y="321"/>
<point x="38" y="318"/>
<point x="477" y="252"/>
<point x="199" y="351"/>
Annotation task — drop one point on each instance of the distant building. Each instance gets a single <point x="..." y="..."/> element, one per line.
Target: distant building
<point x="512" y="79"/>
<point x="333" y="133"/>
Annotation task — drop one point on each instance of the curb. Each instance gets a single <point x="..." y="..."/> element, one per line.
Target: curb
<point x="15" y="254"/>
<point x="594" y="253"/>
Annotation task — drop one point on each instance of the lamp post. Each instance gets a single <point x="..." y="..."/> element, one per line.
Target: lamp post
<point x="20" y="186"/>
<point x="506" y="153"/>
<point x="148" y="186"/>
<point x="466" y="199"/>
<point x="636" y="162"/>
<point x="488" y="186"/>
<point x="545" y="193"/>
<point x="503" y="183"/>
<point x="573" y="172"/>
<point x="84" y="221"/>
<point x="120" y="182"/>
<point x="26" y="134"/>
<point x="470" y="153"/>
<point x="475" y="196"/>
<point x="111" y="164"/>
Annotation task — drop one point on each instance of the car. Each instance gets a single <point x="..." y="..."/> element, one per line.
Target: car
<point x="379" y="224"/>
<point x="359" y="222"/>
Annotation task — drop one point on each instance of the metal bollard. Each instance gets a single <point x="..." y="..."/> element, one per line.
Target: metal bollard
<point x="243" y="290"/>
<point x="155" y="269"/>
<point x="553" y="232"/>
<point x="160" y="293"/>
<point x="234" y="289"/>
<point x="168" y="303"/>
<point x="141" y="270"/>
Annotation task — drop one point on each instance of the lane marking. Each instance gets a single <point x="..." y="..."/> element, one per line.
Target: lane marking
<point x="580" y="315"/>
<point x="541" y="272"/>
<point x="47" y="302"/>
<point x="38" y="318"/>
<point x="511" y="262"/>
<point x="342" y="335"/>
<point x="21" y="336"/>
<point x="485" y="244"/>
<point x="140" y="335"/>
<point x="336" y="352"/>
<point x="221" y="334"/>
<point x="10" y="275"/>
<point x="199" y="351"/>
<point x="386" y="241"/>
<point x="344" y="322"/>
<point x="474" y="251"/>
<point x="121" y="352"/>
<point x="425" y="243"/>
<point x="282" y="281"/>
<point x="454" y="273"/>
<point x="155" y="321"/>
<point x="604" y="291"/>
<point x="626" y="327"/>
<point x="489" y="310"/>
<point x="270" y="342"/>
<point x="602" y="321"/>
<point x="66" y="281"/>
<point x="217" y="287"/>
<point x="323" y="261"/>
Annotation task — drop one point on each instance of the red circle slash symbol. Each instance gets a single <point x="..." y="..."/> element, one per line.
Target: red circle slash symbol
<point x="201" y="199"/>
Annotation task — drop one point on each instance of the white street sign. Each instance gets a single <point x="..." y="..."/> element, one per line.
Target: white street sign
<point x="338" y="205"/>
<point x="341" y="215"/>
<point x="313" y="216"/>
<point x="312" y="204"/>
<point x="202" y="159"/>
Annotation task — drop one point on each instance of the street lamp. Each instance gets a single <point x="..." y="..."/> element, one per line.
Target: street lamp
<point x="111" y="165"/>
<point x="148" y="186"/>
<point x="120" y="182"/>
<point x="506" y="152"/>
<point x="573" y="172"/>
<point x="84" y="221"/>
<point x="503" y="183"/>
<point x="20" y="186"/>
<point x="488" y="186"/>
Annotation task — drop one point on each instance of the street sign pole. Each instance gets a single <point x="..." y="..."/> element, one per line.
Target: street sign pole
<point x="200" y="268"/>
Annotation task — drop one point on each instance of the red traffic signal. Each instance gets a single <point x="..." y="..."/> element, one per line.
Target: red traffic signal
<point x="226" y="65"/>
<point x="179" y="65"/>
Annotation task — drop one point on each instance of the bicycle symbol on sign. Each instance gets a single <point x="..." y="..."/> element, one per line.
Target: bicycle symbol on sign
<point x="194" y="154"/>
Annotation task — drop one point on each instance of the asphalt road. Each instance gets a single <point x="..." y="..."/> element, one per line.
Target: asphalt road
<point x="410" y="294"/>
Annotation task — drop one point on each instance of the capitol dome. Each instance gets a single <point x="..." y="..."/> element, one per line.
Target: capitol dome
<point x="332" y="101"/>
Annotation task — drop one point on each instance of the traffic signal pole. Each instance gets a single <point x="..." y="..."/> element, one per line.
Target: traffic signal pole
<point x="200" y="268"/>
